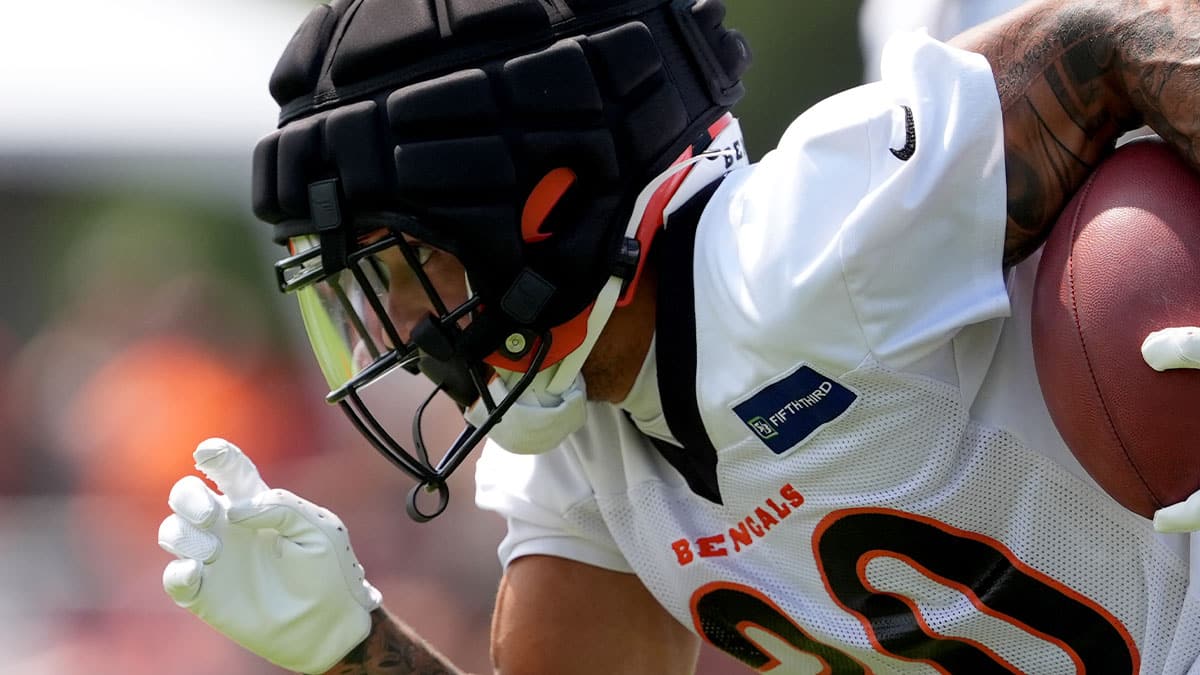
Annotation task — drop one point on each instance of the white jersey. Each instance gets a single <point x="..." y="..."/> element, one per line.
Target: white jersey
<point x="888" y="493"/>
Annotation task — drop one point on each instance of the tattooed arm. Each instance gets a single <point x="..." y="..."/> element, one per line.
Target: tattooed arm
<point x="393" y="648"/>
<point x="1073" y="75"/>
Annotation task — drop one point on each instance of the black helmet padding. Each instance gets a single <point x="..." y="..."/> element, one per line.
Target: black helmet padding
<point x="439" y="117"/>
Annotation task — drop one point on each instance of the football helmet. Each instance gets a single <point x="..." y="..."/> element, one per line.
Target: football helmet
<point x="534" y="143"/>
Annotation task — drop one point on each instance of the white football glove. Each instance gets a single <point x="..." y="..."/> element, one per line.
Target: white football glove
<point x="271" y="571"/>
<point x="1165" y="349"/>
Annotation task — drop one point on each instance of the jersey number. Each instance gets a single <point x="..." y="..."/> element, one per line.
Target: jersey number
<point x="982" y="569"/>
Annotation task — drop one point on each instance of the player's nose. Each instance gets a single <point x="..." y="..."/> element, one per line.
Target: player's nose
<point x="406" y="309"/>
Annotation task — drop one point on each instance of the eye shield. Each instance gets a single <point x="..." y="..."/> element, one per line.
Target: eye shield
<point x="348" y="315"/>
<point x="345" y="313"/>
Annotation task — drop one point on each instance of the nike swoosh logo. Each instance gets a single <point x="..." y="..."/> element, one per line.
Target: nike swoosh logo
<point x="910" y="137"/>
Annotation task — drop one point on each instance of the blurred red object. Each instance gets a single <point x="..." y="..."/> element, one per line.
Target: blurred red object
<point x="136" y="420"/>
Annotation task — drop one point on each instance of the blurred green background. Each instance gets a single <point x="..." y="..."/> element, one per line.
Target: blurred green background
<point x="803" y="52"/>
<point x="139" y="316"/>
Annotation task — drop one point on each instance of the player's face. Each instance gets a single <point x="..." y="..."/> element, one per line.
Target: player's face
<point x="407" y="301"/>
<point x="368" y="310"/>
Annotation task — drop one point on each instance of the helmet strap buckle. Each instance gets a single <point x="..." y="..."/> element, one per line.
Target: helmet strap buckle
<point x="325" y="204"/>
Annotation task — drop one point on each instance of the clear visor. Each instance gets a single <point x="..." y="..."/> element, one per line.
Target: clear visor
<point x="345" y="314"/>
<point x="354" y="317"/>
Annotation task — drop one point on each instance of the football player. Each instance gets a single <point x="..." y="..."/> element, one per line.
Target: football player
<point x="786" y="408"/>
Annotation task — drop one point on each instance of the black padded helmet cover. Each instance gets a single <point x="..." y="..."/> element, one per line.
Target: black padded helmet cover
<point x="439" y="117"/>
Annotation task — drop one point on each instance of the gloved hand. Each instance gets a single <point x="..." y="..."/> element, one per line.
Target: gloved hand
<point x="271" y="571"/>
<point x="1165" y="349"/>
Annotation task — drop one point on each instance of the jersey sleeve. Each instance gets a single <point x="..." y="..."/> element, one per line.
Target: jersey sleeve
<point x="877" y="224"/>
<point x="549" y="505"/>
<point x="922" y="253"/>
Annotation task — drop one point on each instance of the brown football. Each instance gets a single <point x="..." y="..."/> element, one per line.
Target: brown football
<point x="1122" y="262"/>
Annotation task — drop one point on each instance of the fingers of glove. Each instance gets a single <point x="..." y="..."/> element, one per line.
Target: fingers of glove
<point x="230" y="469"/>
<point x="1177" y="347"/>
<point x="182" y="579"/>
<point x="191" y="500"/>
<point x="294" y="518"/>
<point x="183" y="539"/>
<point x="1181" y="517"/>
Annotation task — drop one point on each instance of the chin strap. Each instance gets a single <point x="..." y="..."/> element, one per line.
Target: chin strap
<point x="554" y="404"/>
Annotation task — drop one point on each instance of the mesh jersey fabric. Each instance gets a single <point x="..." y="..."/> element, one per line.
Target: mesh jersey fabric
<point x="936" y="521"/>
